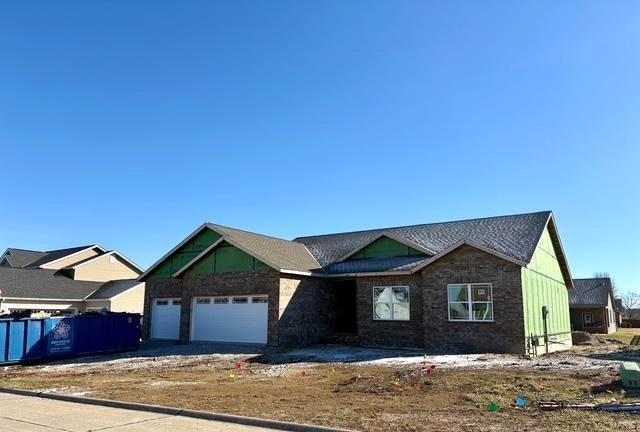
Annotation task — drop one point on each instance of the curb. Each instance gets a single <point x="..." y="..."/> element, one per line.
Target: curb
<point x="203" y="415"/>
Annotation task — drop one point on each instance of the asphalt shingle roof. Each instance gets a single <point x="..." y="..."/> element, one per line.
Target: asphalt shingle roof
<point x="376" y="265"/>
<point x="515" y="236"/>
<point x="43" y="284"/>
<point x="23" y="258"/>
<point x="593" y="291"/>
<point x="284" y="254"/>
<point x="57" y="254"/>
<point x="113" y="288"/>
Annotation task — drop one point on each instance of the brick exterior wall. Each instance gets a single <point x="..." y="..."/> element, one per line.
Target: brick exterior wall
<point x="302" y="309"/>
<point x="307" y="311"/>
<point x="470" y="265"/>
<point x="390" y="333"/>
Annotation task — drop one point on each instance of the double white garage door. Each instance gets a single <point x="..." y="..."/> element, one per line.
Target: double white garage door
<point x="219" y="319"/>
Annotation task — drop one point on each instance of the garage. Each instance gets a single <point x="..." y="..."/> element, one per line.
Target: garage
<point x="230" y="319"/>
<point x="165" y="318"/>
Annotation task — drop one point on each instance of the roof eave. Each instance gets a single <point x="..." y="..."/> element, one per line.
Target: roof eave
<point x="44" y="266"/>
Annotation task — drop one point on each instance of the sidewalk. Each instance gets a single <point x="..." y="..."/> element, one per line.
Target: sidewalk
<point x="32" y="414"/>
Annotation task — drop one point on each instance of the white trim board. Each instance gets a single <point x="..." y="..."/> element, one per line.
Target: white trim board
<point x="44" y="266"/>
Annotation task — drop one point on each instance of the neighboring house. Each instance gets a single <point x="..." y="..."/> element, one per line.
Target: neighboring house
<point x="480" y="285"/>
<point x="69" y="281"/>
<point x="592" y="306"/>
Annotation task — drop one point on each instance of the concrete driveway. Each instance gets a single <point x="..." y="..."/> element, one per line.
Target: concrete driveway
<point x="33" y="414"/>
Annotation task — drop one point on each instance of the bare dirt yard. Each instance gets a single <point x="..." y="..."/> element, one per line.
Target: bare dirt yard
<point x="355" y="388"/>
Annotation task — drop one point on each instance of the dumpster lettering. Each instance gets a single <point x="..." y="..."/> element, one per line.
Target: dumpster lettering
<point x="60" y="339"/>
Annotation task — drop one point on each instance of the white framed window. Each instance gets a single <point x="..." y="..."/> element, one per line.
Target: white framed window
<point x="203" y="301"/>
<point x="177" y="302"/>
<point x="587" y="318"/>
<point x="470" y="302"/>
<point x="221" y="300"/>
<point x="391" y="303"/>
<point x="240" y="300"/>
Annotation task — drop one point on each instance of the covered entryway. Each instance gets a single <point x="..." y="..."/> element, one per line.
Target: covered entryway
<point x="230" y="319"/>
<point x="165" y="318"/>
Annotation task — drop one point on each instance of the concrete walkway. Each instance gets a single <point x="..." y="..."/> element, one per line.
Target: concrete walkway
<point x="33" y="414"/>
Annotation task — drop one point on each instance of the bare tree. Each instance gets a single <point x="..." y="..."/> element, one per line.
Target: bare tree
<point x="630" y="305"/>
<point x="605" y="275"/>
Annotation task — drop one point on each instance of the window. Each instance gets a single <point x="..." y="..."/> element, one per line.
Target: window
<point x="239" y="300"/>
<point x="177" y="302"/>
<point x="587" y="318"/>
<point x="391" y="303"/>
<point x="162" y="302"/>
<point x="221" y="300"/>
<point x="203" y="301"/>
<point x="470" y="302"/>
<point x="260" y="299"/>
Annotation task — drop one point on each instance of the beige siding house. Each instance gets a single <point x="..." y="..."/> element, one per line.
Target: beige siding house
<point x="69" y="281"/>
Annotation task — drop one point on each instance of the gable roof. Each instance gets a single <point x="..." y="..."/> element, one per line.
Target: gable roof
<point x="113" y="252"/>
<point x="23" y="258"/>
<point x="392" y="236"/>
<point x="513" y="238"/>
<point x="592" y="292"/>
<point x="278" y="253"/>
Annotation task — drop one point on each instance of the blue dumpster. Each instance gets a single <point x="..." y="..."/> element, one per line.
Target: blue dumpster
<point x="43" y="339"/>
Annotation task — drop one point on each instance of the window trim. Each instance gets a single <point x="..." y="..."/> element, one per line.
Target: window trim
<point x="584" y="321"/>
<point x="470" y="303"/>
<point x="392" y="319"/>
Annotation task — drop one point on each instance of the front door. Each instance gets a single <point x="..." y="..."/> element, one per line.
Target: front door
<point x="346" y="307"/>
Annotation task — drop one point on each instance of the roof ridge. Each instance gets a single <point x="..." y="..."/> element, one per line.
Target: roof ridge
<point x="25" y="250"/>
<point x="598" y="278"/>
<point x="251" y="232"/>
<point x="72" y="247"/>
<point x="423" y="224"/>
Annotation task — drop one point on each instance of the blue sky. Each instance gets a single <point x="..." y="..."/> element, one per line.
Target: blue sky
<point x="130" y="123"/>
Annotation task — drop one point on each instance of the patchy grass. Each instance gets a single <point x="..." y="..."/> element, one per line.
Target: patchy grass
<point x="623" y="335"/>
<point x="371" y="398"/>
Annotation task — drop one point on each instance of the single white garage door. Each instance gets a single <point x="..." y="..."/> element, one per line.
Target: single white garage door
<point x="165" y="318"/>
<point x="230" y="319"/>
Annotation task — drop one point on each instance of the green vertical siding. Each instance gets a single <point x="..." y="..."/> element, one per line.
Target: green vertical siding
<point x="225" y="258"/>
<point x="186" y="253"/>
<point x="385" y="247"/>
<point x="543" y="285"/>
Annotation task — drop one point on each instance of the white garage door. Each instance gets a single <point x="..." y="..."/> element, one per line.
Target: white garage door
<point x="230" y="319"/>
<point x="165" y="318"/>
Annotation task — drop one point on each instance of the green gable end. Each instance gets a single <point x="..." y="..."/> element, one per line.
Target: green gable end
<point x="543" y="285"/>
<point x="186" y="253"/>
<point x="384" y="247"/>
<point x="225" y="258"/>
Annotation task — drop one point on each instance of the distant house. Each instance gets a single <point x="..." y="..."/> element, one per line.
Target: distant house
<point x="69" y="281"/>
<point x="591" y="305"/>
<point x="495" y="284"/>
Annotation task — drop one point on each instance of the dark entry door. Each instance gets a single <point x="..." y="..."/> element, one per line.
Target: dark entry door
<point x="346" y="307"/>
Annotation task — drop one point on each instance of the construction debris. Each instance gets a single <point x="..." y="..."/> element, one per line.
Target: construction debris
<point x="630" y="408"/>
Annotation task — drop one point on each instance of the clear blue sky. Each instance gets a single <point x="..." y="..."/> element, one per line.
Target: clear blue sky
<point x="130" y="123"/>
